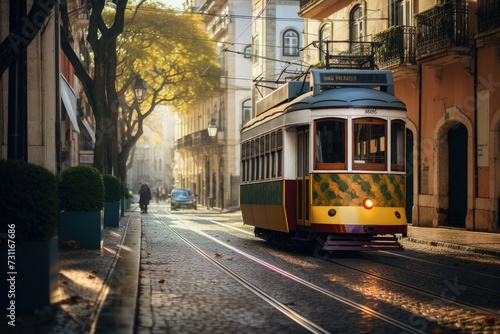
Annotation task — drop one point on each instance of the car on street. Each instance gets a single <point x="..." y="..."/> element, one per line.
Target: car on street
<point x="182" y="198"/>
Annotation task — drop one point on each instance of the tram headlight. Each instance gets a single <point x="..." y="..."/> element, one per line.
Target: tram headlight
<point x="368" y="203"/>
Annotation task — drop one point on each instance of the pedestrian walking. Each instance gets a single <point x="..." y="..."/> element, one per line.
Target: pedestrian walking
<point x="144" y="197"/>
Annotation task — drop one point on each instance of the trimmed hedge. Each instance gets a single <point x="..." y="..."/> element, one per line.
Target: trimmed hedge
<point x="81" y="188"/>
<point x="113" y="188"/>
<point x="28" y="199"/>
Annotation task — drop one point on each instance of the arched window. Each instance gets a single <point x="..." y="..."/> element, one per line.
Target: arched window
<point x="246" y="111"/>
<point x="291" y="43"/>
<point x="324" y="35"/>
<point x="356" y="24"/>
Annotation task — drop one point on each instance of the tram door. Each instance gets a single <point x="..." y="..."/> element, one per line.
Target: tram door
<point x="303" y="177"/>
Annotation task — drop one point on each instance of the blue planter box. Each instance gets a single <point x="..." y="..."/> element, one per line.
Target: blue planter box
<point x="35" y="277"/>
<point x="81" y="229"/>
<point x="127" y="203"/>
<point x="111" y="214"/>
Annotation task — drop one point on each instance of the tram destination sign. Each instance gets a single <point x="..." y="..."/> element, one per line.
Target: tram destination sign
<point x="355" y="78"/>
<point x="346" y="78"/>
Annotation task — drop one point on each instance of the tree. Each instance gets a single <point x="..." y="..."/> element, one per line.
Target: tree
<point x="170" y="52"/>
<point x="99" y="86"/>
<point x="118" y="59"/>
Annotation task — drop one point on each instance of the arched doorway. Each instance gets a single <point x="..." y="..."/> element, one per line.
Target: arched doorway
<point x="457" y="175"/>
<point x="409" y="176"/>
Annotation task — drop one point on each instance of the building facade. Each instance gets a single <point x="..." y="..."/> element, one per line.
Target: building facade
<point x="54" y="121"/>
<point x="445" y="61"/>
<point x="210" y="166"/>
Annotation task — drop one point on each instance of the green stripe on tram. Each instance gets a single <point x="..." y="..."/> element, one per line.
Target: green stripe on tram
<point x="265" y="193"/>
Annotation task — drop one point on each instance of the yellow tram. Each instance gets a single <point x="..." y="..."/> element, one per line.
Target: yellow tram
<point x="324" y="161"/>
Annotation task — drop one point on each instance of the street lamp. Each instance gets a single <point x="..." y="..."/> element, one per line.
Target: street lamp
<point x="139" y="90"/>
<point x="212" y="128"/>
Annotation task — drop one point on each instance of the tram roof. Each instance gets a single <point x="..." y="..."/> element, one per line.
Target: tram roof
<point x="348" y="97"/>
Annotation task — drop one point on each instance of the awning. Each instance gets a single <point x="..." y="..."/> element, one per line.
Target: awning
<point x="69" y="99"/>
<point x="89" y="129"/>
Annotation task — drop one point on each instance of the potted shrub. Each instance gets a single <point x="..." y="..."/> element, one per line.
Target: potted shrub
<point x="28" y="237"/>
<point x="81" y="197"/>
<point x="128" y="198"/>
<point x="113" y="190"/>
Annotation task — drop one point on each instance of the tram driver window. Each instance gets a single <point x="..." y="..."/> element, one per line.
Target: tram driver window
<point x="398" y="129"/>
<point x="369" y="143"/>
<point x="330" y="144"/>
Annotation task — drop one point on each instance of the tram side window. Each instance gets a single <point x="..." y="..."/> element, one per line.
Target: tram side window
<point x="369" y="143"/>
<point x="247" y="163"/>
<point x="273" y="154"/>
<point x="279" y="153"/>
<point x="262" y="158"/>
<point x="398" y="129"/>
<point x="252" y="160"/>
<point x="330" y="144"/>
<point x="257" y="159"/>
<point x="268" y="157"/>
<point x="243" y="162"/>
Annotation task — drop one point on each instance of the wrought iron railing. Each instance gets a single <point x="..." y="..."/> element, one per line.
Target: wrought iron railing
<point x="442" y="27"/>
<point x="194" y="139"/>
<point x="345" y="54"/>
<point x="395" y="46"/>
<point x="305" y="2"/>
<point x="488" y="15"/>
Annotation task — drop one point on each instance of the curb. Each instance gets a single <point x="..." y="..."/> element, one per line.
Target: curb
<point x="472" y="249"/>
<point x="118" y="313"/>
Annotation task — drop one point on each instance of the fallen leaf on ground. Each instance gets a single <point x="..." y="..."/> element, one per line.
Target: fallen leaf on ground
<point x="332" y="280"/>
<point x="90" y="276"/>
<point x="218" y="254"/>
<point x="161" y="281"/>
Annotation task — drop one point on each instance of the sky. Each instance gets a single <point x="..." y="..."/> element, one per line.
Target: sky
<point x="173" y="3"/>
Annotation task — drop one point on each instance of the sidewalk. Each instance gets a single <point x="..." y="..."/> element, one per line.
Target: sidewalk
<point x="98" y="290"/>
<point x="456" y="238"/>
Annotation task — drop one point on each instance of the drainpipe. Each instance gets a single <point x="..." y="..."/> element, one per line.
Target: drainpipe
<point x="476" y="168"/>
<point x="57" y="79"/>
<point x="17" y="142"/>
<point x="419" y="126"/>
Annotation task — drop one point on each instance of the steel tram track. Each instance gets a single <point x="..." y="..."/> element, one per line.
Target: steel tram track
<point x="422" y="291"/>
<point x="493" y="292"/>
<point x="302" y="321"/>
<point x="283" y="308"/>
<point x="423" y="273"/>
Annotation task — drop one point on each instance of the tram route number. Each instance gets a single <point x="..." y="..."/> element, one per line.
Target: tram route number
<point x="370" y="111"/>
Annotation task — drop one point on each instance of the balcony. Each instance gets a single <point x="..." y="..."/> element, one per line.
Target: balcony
<point x="194" y="140"/>
<point x="395" y="47"/>
<point x="488" y="15"/>
<point x="218" y="26"/>
<point x="443" y="33"/>
<point x="345" y="54"/>
<point x="316" y="9"/>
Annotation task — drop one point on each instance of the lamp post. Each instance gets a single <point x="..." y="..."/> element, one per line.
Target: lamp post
<point x="139" y="90"/>
<point x="212" y="133"/>
<point x="212" y="128"/>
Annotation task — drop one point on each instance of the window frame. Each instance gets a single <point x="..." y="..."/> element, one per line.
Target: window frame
<point x="289" y="49"/>
<point x="330" y="165"/>
<point x="369" y="165"/>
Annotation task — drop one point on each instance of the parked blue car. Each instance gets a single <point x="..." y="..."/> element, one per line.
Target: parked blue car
<point x="182" y="198"/>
